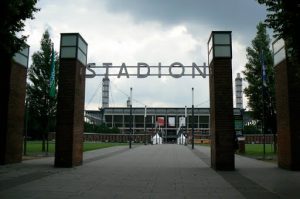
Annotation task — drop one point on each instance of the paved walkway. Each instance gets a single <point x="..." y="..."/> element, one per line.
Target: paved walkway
<point x="151" y="171"/>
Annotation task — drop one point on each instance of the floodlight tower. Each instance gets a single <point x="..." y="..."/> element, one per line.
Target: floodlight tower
<point x="105" y="92"/>
<point x="238" y="91"/>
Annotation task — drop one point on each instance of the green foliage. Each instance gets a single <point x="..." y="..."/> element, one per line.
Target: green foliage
<point x="13" y="15"/>
<point x="251" y="129"/>
<point x="42" y="107"/>
<point x="92" y="128"/>
<point x="284" y="18"/>
<point x="115" y="130"/>
<point x="253" y="75"/>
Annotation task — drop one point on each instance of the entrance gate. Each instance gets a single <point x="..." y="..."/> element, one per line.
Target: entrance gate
<point x="72" y="74"/>
<point x="69" y="135"/>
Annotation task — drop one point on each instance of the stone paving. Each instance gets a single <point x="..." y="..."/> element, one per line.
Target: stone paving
<point x="151" y="171"/>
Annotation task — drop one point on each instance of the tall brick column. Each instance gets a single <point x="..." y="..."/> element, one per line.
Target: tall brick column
<point x="287" y="87"/>
<point x="70" y="107"/>
<point x="13" y="108"/>
<point x="221" y="101"/>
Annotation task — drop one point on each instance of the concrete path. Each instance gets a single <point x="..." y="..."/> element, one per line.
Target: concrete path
<point x="152" y="171"/>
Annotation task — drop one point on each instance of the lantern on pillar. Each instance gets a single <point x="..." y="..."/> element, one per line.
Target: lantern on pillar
<point x="22" y="57"/>
<point x="219" y="45"/>
<point x="278" y="51"/>
<point x="221" y="106"/>
<point x="72" y="45"/>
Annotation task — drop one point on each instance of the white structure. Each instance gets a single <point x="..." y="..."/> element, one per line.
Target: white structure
<point x="128" y="102"/>
<point x="156" y="139"/>
<point x="181" y="139"/>
<point x="105" y="92"/>
<point x="238" y="91"/>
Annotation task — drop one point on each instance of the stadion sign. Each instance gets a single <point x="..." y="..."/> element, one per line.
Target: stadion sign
<point x="143" y="70"/>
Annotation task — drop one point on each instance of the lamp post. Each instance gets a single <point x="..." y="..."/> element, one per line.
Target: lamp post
<point x="70" y="100"/>
<point x="186" y="127"/>
<point x="145" y="115"/>
<point x="193" y="133"/>
<point x="152" y="125"/>
<point x="221" y="100"/>
<point x="13" y="95"/>
<point x="130" y="125"/>
<point x="21" y="58"/>
<point x="286" y="67"/>
<point x="26" y="127"/>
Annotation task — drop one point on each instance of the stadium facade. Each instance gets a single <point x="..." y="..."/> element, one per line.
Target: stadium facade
<point x="167" y="121"/>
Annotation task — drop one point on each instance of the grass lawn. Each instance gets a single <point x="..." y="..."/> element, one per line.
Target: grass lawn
<point x="89" y="146"/>
<point x="257" y="150"/>
<point x="35" y="147"/>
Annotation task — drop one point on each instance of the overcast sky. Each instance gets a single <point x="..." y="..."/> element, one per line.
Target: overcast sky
<point x="149" y="31"/>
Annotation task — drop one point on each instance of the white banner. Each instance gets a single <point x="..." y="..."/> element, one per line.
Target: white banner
<point x="182" y="121"/>
<point x="171" y="121"/>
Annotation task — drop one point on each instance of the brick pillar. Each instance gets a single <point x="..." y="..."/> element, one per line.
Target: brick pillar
<point x="13" y="90"/>
<point x="287" y="87"/>
<point x="70" y="107"/>
<point x="221" y="115"/>
<point x="221" y="101"/>
<point x="12" y="117"/>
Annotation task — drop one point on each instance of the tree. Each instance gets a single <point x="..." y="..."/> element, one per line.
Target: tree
<point x="94" y="128"/>
<point x="284" y="18"/>
<point x="261" y="99"/>
<point x="13" y="15"/>
<point x="42" y="107"/>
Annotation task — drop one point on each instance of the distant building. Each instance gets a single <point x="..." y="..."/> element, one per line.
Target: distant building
<point x="163" y="120"/>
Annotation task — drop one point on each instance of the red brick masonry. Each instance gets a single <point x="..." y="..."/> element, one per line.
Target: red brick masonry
<point x="70" y="114"/>
<point x="11" y="152"/>
<point x="287" y="85"/>
<point x="221" y="106"/>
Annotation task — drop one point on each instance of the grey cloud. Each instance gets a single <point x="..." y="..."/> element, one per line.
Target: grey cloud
<point x="240" y="16"/>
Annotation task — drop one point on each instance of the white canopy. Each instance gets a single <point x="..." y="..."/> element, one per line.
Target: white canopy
<point x="156" y="139"/>
<point x="181" y="139"/>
